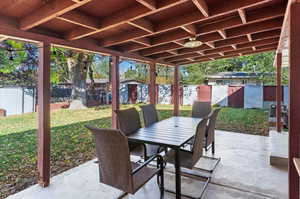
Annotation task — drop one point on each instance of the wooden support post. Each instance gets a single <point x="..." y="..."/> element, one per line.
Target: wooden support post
<point x="278" y="92"/>
<point x="294" y="99"/>
<point x="152" y="87"/>
<point x="115" y="84"/>
<point x="176" y="91"/>
<point x="44" y="115"/>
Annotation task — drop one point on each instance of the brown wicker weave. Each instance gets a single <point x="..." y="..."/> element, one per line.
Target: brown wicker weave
<point x="149" y="114"/>
<point x="188" y="159"/>
<point x="201" y="109"/>
<point x="210" y="130"/>
<point x="129" y="122"/>
<point x="115" y="167"/>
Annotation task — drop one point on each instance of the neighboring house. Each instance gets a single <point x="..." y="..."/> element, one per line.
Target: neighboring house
<point x="234" y="78"/>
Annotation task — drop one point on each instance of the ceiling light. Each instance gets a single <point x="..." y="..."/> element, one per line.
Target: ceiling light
<point x="192" y="43"/>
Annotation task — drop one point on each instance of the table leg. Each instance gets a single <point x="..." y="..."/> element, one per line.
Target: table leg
<point x="177" y="174"/>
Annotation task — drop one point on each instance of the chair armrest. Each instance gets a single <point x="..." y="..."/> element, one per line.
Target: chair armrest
<point x="159" y="158"/>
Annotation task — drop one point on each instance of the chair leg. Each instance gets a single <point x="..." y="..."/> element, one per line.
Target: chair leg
<point x="213" y="147"/>
<point x="145" y="152"/>
<point x="162" y="184"/>
<point x="206" y="147"/>
<point x="160" y="176"/>
<point x="207" y="181"/>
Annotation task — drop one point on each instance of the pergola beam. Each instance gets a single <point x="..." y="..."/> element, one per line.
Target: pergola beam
<point x="228" y="50"/>
<point x="143" y="24"/>
<point x="222" y="33"/>
<point x="132" y="13"/>
<point x="159" y="49"/>
<point x="242" y="15"/>
<point x="49" y="11"/>
<point x="81" y="19"/>
<point x="191" y="18"/>
<point x="190" y="29"/>
<point x="202" y="6"/>
<point x="249" y="37"/>
<point x="217" y="56"/>
<point x="233" y="42"/>
<point x="151" y="4"/>
<point x="9" y="28"/>
<point x="210" y="44"/>
<point x="145" y="41"/>
<point x="3" y="38"/>
<point x="219" y="26"/>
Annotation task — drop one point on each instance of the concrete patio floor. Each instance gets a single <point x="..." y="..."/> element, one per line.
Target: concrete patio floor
<point x="244" y="172"/>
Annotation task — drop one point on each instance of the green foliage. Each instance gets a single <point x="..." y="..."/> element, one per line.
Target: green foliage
<point x="18" y="63"/>
<point x="259" y="63"/>
<point x="165" y="75"/>
<point x="137" y="71"/>
<point x="100" y="67"/>
<point x="18" y="66"/>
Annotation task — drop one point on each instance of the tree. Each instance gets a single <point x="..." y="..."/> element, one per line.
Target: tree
<point x="18" y="63"/>
<point x="137" y="71"/>
<point x="262" y="64"/>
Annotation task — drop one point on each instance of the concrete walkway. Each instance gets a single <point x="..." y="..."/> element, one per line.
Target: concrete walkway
<point x="244" y="172"/>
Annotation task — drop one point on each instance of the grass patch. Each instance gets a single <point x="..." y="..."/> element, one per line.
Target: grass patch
<point x="72" y="144"/>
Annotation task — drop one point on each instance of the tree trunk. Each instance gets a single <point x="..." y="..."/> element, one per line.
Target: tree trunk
<point x="78" y="66"/>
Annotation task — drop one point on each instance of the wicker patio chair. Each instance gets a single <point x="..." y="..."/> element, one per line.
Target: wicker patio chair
<point x="188" y="159"/>
<point x="129" y="122"/>
<point x="150" y="116"/>
<point x="201" y="109"/>
<point x="210" y="130"/>
<point x="115" y="168"/>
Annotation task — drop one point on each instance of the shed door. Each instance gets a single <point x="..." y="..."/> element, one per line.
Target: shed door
<point x="236" y="96"/>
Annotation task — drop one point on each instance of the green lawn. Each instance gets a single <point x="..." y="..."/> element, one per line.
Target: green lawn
<point x="72" y="144"/>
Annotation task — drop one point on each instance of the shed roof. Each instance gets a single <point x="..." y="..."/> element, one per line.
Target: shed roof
<point x="234" y="75"/>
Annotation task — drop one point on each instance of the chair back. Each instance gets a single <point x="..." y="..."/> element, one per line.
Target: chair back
<point x="113" y="156"/>
<point x="149" y="114"/>
<point x="210" y="131"/>
<point x="198" y="141"/>
<point x="128" y="120"/>
<point x="201" y="109"/>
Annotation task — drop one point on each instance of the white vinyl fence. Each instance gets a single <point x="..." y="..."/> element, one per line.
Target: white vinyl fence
<point x="189" y="94"/>
<point x="17" y="100"/>
<point x="220" y="95"/>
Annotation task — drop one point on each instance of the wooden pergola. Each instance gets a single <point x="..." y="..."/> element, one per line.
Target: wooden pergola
<point x="154" y="32"/>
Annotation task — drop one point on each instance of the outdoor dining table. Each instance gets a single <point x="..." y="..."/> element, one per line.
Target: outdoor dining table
<point x="173" y="133"/>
